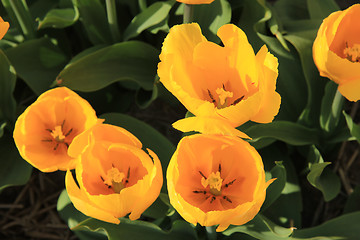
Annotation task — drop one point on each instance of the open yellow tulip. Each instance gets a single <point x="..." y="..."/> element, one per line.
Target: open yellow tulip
<point x="45" y="130"/>
<point x="223" y="87"/>
<point x="336" y="50"/>
<point x="216" y="180"/>
<point x="115" y="176"/>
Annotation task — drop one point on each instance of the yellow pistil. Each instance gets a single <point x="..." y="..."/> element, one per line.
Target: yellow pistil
<point x="214" y="181"/>
<point x="57" y="134"/>
<point x="114" y="179"/>
<point x="352" y="53"/>
<point x="223" y="96"/>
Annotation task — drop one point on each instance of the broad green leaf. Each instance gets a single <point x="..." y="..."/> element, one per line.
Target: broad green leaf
<point x="14" y="170"/>
<point x="135" y="61"/>
<point x="320" y="9"/>
<point x="73" y="217"/>
<point x="59" y="18"/>
<point x="7" y="86"/>
<point x="354" y="128"/>
<point x="261" y="228"/>
<point x="37" y="62"/>
<point x="325" y="180"/>
<point x="291" y="10"/>
<point x="352" y="203"/>
<point x="343" y="227"/>
<point x="273" y="192"/>
<point x="139" y="230"/>
<point x="315" y="84"/>
<point x="149" y="137"/>
<point x="331" y="107"/>
<point x="153" y="15"/>
<point x="2" y="128"/>
<point x="94" y="20"/>
<point x="287" y="209"/>
<point x="289" y="132"/>
<point x="211" y="17"/>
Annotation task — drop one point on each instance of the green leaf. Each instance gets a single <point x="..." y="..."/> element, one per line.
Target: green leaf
<point x="151" y="16"/>
<point x="94" y="20"/>
<point x="59" y="18"/>
<point x="331" y="107"/>
<point x="320" y="9"/>
<point x="273" y="192"/>
<point x="211" y="17"/>
<point x="261" y="228"/>
<point x="139" y="230"/>
<point x="37" y="62"/>
<point x="145" y="98"/>
<point x="324" y="179"/>
<point x="289" y="132"/>
<point x="149" y="137"/>
<point x="73" y="217"/>
<point x="354" y="128"/>
<point x="7" y="86"/>
<point x="14" y="170"/>
<point x="343" y="227"/>
<point x="135" y="61"/>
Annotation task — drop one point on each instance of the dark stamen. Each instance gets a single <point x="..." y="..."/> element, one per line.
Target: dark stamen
<point x="46" y="140"/>
<point x="66" y="144"/>
<point x="107" y="185"/>
<point x="202" y="174"/>
<point x="57" y="145"/>
<point x="219" y="168"/>
<point x="196" y="191"/>
<point x="128" y="173"/>
<point x="49" y="130"/>
<point x="102" y="178"/>
<point x="212" y="199"/>
<point x="68" y="133"/>
<point x="227" y="199"/>
<point x="229" y="183"/>
<point x="211" y="96"/>
<point x="62" y="125"/>
<point x="224" y="87"/>
<point x="238" y="100"/>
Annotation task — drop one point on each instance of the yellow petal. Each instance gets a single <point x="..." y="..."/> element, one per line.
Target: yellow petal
<point x="350" y="90"/>
<point x="196" y="1"/>
<point x="208" y="125"/>
<point x="4" y="26"/>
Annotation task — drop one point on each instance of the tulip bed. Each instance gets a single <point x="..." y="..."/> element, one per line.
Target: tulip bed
<point x="180" y="119"/>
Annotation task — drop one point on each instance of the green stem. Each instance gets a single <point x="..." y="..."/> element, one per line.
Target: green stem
<point x="142" y="5"/>
<point x="23" y="17"/>
<point x="211" y="233"/>
<point x="112" y="20"/>
<point x="188" y="13"/>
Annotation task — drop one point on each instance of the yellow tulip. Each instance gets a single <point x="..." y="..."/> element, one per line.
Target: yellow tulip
<point x="115" y="176"/>
<point x="216" y="180"/>
<point x="223" y="87"/>
<point x="4" y="26"/>
<point x="196" y="1"/>
<point x="44" y="131"/>
<point x="336" y="50"/>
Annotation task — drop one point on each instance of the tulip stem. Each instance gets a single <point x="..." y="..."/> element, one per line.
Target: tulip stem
<point x="211" y="233"/>
<point x="21" y="11"/>
<point x="112" y="20"/>
<point x="188" y="13"/>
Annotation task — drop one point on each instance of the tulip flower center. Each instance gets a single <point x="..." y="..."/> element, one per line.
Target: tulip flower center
<point x="214" y="181"/>
<point x="58" y="136"/>
<point x="115" y="179"/>
<point x="223" y="98"/>
<point x="352" y="53"/>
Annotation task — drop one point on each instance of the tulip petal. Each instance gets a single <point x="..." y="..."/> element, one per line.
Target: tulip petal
<point x="208" y="125"/>
<point x="4" y="26"/>
<point x="350" y="90"/>
<point x="82" y="203"/>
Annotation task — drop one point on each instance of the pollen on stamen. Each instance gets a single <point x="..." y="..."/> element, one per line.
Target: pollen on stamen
<point x="352" y="53"/>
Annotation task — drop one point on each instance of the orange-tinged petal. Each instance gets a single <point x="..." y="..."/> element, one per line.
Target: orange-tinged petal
<point x="4" y="26"/>
<point x="334" y="50"/>
<point x="82" y="203"/>
<point x="235" y="162"/>
<point x="45" y="130"/>
<point x="196" y="1"/>
<point x="350" y="89"/>
<point x="216" y="82"/>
